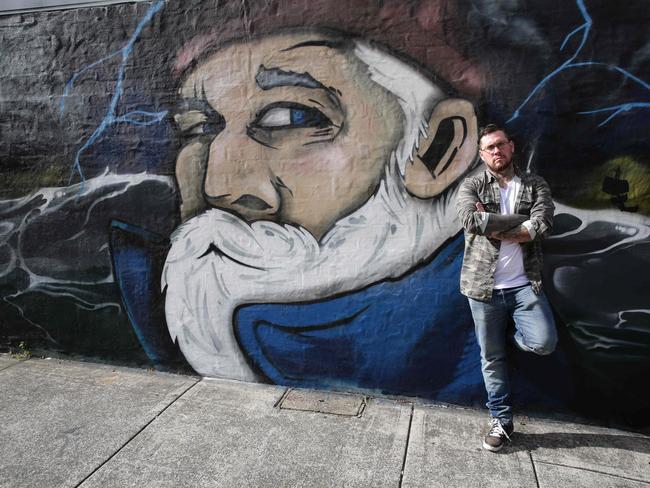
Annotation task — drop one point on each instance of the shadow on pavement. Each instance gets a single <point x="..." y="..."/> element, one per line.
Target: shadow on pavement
<point x="523" y="441"/>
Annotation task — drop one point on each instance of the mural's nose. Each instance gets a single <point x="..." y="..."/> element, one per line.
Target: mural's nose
<point x="240" y="181"/>
<point x="252" y="202"/>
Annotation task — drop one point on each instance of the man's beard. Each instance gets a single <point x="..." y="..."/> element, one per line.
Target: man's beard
<point x="218" y="262"/>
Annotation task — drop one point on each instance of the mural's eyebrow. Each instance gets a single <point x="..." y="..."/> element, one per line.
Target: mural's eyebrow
<point x="329" y="44"/>
<point x="267" y="78"/>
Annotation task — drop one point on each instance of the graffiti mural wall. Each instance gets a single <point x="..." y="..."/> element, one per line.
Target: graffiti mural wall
<point x="264" y="190"/>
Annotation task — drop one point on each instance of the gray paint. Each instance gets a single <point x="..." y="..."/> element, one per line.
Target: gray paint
<point x="445" y="451"/>
<point x="229" y="434"/>
<point x="551" y="476"/>
<point x="61" y="420"/>
<point x="80" y="424"/>
<point x="268" y="78"/>
<point x="587" y="447"/>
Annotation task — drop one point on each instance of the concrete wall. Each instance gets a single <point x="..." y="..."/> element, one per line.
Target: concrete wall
<point x="312" y="152"/>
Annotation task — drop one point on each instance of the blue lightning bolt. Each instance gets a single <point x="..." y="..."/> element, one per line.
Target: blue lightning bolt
<point x="570" y="63"/>
<point x="137" y="117"/>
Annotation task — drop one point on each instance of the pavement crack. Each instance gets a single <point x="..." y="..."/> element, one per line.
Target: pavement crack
<point x="406" y="447"/>
<point x="646" y="482"/>
<point x="278" y="404"/>
<point x="101" y="465"/>
<point x="532" y="463"/>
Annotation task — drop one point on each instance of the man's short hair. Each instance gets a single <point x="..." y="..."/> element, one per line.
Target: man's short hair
<point x="489" y="129"/>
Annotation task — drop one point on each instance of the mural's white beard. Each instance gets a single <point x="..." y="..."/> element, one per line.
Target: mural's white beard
<point x="267" y="262"/>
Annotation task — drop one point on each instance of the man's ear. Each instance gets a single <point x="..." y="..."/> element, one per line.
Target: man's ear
<point x="447" y="152"/>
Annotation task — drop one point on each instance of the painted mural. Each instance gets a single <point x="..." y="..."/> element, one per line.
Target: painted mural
<point x="264" y="190"/>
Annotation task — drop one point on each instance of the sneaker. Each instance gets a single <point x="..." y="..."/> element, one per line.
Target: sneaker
<point x="499" y="433"/>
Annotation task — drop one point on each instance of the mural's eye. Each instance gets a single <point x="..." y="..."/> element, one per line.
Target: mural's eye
<point x="289" y="116"/>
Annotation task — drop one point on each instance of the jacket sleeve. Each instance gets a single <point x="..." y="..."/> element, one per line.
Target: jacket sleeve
<point x="470" y="218"/>
<point x="541" y="213"/>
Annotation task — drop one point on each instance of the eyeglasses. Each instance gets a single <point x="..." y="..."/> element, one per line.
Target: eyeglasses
<point x="497" y="145"/>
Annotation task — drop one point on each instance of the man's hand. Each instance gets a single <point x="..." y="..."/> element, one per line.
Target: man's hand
<point x="518" y="234"/>
<point x="479" y="207"/>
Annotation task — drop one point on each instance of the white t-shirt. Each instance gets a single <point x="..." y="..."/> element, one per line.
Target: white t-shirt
<point x="510" y="271"/>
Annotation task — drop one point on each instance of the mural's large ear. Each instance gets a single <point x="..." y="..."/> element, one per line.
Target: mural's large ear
<point x="447" y="152"/>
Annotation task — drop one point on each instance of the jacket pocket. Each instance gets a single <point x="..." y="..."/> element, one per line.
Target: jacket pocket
<point x="525" y="202"/>
<point x="491" y="204"/>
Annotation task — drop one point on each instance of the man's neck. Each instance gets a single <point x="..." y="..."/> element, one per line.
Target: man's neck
<point x="503" y="177"/>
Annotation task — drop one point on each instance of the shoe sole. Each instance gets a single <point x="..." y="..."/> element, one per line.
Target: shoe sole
<point x="490" y="448"/>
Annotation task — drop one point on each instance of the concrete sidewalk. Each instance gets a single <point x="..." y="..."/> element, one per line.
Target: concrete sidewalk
<point x="65" y="423"/>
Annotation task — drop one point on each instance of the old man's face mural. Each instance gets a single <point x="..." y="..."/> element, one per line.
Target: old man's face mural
<point x="295" y="178"/>
<point x="265" y="190"/>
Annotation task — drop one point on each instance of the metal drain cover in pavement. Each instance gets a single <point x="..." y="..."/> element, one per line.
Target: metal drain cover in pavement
<point x="324" y="402"/>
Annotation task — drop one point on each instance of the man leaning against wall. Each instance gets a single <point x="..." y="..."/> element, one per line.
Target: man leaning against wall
<point x="505" y="213"/>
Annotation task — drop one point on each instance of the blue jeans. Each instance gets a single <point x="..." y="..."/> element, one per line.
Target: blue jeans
<point x="534" y="332"/>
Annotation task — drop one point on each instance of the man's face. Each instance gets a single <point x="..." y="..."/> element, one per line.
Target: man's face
<point x="283" y="129"/>
<point x="496" y="151"/>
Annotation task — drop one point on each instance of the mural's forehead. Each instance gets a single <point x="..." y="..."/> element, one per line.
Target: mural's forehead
<point x="316" y="52"/>
<point x="423" y="31"/>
